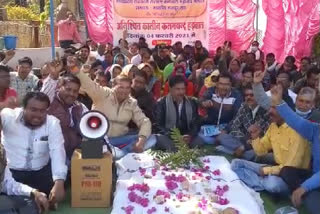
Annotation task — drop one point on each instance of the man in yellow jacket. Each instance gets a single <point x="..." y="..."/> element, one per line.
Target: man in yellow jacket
<point x="120" y="108"/>
<point x="289" y="149"/>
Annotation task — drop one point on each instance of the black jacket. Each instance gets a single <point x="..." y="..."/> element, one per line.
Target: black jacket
<point x="191" y="129"/>
<point x="145" y="102"/>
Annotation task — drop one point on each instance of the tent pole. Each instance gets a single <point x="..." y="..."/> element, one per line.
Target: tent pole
<point x="257" y="20"/>
<point x="53" y="52"/>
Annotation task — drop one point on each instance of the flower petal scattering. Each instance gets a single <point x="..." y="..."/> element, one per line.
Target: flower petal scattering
<point x="151" y="188"/>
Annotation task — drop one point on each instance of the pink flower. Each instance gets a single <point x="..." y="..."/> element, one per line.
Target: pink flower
<point x="199" y="174"/>
<point x="216" y="172"/>
<point x="152" y="210"/>
<point x="223" y="201"/>
<point x="142" y="171"/>
<point x="140" y="187"/>
<point x="207" y="167"/>
<point x="144" y="188"/>
<point x="220" y="191"/>
<point x="164" y="193"/>
<point x="208" y="178"/>
<point x="206" y="160"/>
<point x="179" y="196"/>
<point x="182" y="197"/>
<point x="193" y="177"/>
<point x="132" y="196"/>
<point x="144" y="202"/>
<point x="166" y="209"/>
<point x="203" y="204"/>
<point x="128" y="209"/>
<point x="171" y="185"/>
<point x="225" y="188"/>
<point x="154" y="172"/>
<point x="165" y="168"/>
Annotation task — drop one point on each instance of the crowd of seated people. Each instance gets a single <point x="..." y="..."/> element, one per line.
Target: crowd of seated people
<point x="262" y="112"/>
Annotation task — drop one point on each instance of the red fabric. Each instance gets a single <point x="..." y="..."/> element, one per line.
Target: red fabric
<point x="68" y="31"/>
<point x="9" y="93"/>
<point x="231" y="20"/>
<point x="291" y="25"/>
<point x="99" y="20"/>
<point x="202" y="111"/>
<point x="156" y="90"/>
<point x="190" y="87"/>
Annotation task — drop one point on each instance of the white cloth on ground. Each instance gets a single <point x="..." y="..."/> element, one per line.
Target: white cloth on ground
<point x="241" y="197"/>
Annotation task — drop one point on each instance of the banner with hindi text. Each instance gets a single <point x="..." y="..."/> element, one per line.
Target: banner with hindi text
<point x="161" y="21"/>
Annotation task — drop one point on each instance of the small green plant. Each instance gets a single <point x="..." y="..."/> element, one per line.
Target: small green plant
<point x="183" y="157"/>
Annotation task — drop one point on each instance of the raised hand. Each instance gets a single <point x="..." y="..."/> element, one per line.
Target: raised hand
<point x="258" y="76"/>
<point x="207" y="104"/>
<point x="55" y="67"/>
<point x="72" y="61"/>
<point x="86" y="68"/>
<point x="276" y="94"/>
<point x="254" y="131"/>
<point x="91" y="60"/>
<point x="8" y="56"/>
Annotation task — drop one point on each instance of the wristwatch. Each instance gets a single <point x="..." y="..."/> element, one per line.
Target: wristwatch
<point x="32" y="194"/>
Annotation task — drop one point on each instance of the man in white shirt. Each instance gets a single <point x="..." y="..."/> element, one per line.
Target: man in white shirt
<point x="34" y="145"/>
<point x="18" y="196"/>
<point x="137" y="59"/>
<point x="99" y="54"/>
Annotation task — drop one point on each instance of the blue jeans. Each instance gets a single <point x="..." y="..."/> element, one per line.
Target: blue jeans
<point x="249" y="173"/>
<point x="126" y="142"/>
<point x="17" y="204"/>
<point x="311" y="201"/>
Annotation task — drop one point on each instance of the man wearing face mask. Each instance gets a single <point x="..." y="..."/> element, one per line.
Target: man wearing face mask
<point x="255" y="49"/>
<point x="176" y="110"/>
<point x="304" y="103"/>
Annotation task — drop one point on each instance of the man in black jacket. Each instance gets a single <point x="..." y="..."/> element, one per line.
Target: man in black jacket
<point x="176" y="111"/>
<point x="139" y="92"/>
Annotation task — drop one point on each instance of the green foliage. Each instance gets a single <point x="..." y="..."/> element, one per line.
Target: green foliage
<point x="21" y="13"/>
<point x="45" y="14"/>
<point x="35" y="8"/>
<point x="184" y="155"/>
<point x="30" y="13"/>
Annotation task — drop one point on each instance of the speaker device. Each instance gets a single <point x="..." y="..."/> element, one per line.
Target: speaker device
<point x="93" y="127"/>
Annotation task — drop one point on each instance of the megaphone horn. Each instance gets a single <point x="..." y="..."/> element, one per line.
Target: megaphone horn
<point x="93" y="125"/>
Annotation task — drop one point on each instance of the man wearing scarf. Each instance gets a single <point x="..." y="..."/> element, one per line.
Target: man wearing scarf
<point x="176" y="111"/>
